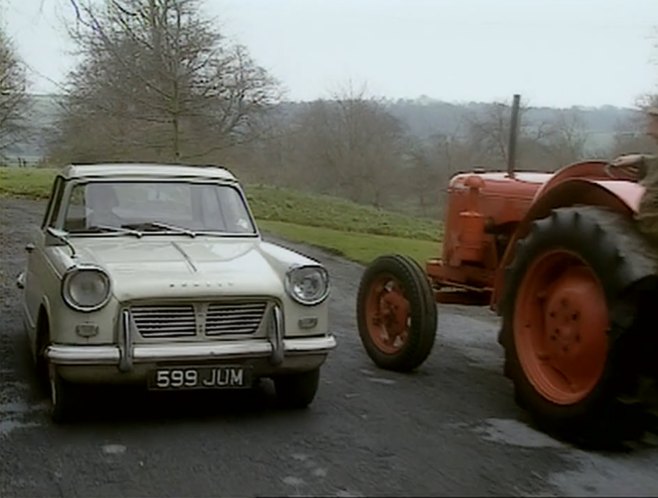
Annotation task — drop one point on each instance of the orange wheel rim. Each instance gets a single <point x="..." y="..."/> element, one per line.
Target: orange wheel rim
<point x="388" y="314"/>
<point x="560" y="327"/>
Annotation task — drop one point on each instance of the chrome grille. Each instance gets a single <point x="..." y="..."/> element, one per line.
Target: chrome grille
<point x="164" y="320"/>
<point x="234" y="317"/>
<point x="180" y="320"/>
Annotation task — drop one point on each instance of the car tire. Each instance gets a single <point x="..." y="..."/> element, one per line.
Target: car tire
<point x="63" y="398"/>
<point x="297" y="390"/>
<point x="41" y="365"/>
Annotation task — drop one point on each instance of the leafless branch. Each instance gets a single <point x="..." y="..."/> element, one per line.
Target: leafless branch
<point x="157" y="66"/>
<point x="13" y="96"/>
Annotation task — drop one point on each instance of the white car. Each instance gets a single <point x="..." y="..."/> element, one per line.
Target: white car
<point x="157" y="274"/>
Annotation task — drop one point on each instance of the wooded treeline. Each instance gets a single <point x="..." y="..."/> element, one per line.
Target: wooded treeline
<point x="156" y="81"/>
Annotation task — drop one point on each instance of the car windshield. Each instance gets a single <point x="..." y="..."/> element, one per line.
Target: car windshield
<point x="138" y="208"/>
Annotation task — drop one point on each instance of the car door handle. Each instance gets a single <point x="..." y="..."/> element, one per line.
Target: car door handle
<point x="29" y="247"/>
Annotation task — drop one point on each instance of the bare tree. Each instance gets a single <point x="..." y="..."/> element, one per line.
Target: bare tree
<point x="423" y="181"/>
<point x="487" y="135"/>
<point x="433" y="162"/>
<point x="630" y="134"/>
<point x="13" y="96"/>
<point x="271" y="158"/>
<point x="543" y="144"/>
<point x="566" y="138"/>
<point x="157" y="81"/>
<point x="630" y="138"/>
<point x="350" y="146"/>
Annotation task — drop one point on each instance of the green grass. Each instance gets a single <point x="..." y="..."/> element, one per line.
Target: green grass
<point x="34" y="183"/>
<point x="360" y="247"/>
<point x="279" y="204"/>
<point x="358" y="232"/>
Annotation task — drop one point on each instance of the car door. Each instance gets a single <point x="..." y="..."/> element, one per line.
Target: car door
<point x="38" y="268"/>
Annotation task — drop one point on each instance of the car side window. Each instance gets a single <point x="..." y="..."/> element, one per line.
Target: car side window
<point x="54" y="205"/>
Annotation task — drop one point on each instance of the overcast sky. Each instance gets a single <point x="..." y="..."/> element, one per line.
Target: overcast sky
<point x="554" y="52"/>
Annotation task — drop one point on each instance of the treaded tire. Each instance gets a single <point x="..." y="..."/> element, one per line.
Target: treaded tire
<point x="63" y="398"/>
<point x="41" y="365"/>
<point x="621" y="259"/>
<point x="298" y="390"/>
<point x="423" y="313"/>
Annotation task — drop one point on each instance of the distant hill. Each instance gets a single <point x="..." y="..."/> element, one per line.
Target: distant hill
<point x="423" y="118"/>
<point x="427" y="118"/>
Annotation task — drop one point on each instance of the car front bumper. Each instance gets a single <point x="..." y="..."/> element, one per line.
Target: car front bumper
<point x="62" y="354"/>
<point x="115" y="364"/>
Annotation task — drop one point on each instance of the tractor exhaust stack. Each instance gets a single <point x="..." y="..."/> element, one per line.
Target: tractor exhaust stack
<point x="514" y="129"/>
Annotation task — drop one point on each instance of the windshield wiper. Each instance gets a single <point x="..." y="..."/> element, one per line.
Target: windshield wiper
<point x="158" y="224"/>
<point x="109" y="228"/>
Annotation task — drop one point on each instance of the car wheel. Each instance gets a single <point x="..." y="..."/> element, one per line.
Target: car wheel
<point x="62" y="398"/>
<point x="41" y="364"/>
<point x="297" y="390"/>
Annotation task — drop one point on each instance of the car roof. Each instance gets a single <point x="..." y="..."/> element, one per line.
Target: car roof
<point x="157" y="170"/>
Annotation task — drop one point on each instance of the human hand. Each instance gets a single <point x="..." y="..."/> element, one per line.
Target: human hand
<point x="632" y="165"/>
<point x="627" y="160"/>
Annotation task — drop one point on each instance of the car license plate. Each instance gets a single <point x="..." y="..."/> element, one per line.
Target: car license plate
<point x="210" y="377"/>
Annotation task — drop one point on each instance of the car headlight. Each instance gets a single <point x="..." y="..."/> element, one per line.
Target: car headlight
<point x="86" y="288"/>
<point x="308" y="285"/>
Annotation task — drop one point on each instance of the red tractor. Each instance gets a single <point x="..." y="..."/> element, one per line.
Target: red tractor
<point x="559" y="258"/>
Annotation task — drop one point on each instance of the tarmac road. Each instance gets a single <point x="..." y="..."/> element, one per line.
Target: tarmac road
<point x="451" y="428"/>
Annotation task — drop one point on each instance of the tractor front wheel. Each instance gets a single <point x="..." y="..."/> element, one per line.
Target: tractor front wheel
<point x="565" y="345"/>
<point x="396" y="313"/>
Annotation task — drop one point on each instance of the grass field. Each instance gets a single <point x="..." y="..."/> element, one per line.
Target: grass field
<point x="361" y="247"/>
<point x="34" y="183"/>
<point x="357" y="232"/>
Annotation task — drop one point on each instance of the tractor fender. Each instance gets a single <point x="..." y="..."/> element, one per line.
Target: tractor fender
<point x="618" y="195"/>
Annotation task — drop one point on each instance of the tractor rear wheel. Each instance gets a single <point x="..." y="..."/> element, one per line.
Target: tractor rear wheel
<point x="396" y="313"/>
<point x="568" y="321"/>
